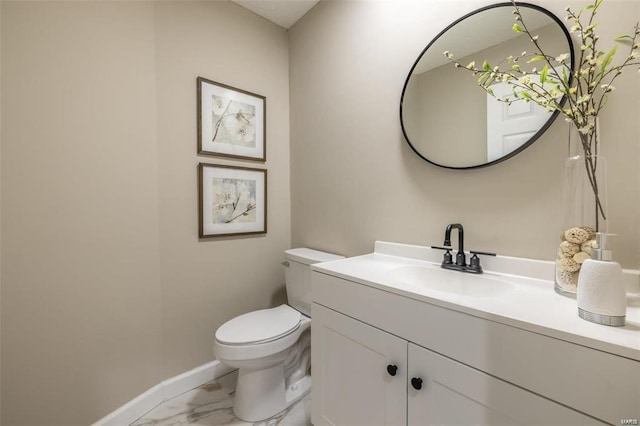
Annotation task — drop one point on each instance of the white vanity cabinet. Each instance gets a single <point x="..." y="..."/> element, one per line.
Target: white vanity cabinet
<point x="365" y="376"/>
<point x="351" y="383"/>
<point x="452" y="393"/>
<point x="473" y="370"/>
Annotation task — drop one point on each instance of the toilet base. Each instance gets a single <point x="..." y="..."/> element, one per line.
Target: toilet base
<point x="261" y="394"/>
<point x="298" y="390"/>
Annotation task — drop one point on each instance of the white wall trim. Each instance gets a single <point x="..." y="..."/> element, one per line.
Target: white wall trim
<point x="166" y="390"/>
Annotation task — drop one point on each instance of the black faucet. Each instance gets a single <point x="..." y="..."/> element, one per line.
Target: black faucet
<point x="461" y="260"/>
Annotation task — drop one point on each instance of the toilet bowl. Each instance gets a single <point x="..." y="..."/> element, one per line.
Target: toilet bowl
<point x="259" y="354"/>
<point x="271" y="347"/>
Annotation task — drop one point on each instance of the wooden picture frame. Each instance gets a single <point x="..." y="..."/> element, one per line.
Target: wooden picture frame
<point x="231" y="200"/>
<point x="231" y="122"/>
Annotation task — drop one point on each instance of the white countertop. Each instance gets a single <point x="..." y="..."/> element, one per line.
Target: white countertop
<point x="530" y="303"/>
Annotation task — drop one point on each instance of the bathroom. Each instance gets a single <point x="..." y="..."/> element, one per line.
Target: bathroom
<point x="109" y="291"/>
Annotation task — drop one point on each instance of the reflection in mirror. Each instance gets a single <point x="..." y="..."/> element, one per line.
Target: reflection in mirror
<point x="452" y="122"/>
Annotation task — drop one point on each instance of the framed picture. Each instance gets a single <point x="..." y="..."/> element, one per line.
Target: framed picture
<point x="231" y="200"/>
<point x="231" y="122"/>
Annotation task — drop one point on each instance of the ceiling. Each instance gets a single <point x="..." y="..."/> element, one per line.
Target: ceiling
<point x="282" y="12"/>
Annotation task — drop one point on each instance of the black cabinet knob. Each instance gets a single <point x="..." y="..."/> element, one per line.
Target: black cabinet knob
<point x="392" y="369"/>
<point x="416" y="382"/>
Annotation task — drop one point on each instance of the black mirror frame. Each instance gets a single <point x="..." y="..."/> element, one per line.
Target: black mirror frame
<point x="540" y="131"/>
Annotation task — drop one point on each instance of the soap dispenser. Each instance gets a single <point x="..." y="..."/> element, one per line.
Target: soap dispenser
<point x="601" y="293"/>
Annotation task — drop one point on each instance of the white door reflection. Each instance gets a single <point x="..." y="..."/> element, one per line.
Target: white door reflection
<point x="509" y="126"/>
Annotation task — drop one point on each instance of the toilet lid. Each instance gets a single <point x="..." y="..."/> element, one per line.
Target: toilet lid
<point x="259" y="326"/>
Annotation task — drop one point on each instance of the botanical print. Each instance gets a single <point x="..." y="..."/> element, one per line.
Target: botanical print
<point x="234" y="200"/>
<point x="233" y="122"/>
<point x="231" y="200"/>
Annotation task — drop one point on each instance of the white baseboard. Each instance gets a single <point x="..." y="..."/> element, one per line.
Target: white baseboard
<point x="134" y="409"/>
<point x="168" y="389"/>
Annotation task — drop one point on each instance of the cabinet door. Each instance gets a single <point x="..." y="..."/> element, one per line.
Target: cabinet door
<point x="351" y="382"/>
<point x="455" y="394"/>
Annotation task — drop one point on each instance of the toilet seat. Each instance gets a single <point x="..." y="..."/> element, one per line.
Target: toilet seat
<point x="259" y="327"/>
<point x="278" y="340"/>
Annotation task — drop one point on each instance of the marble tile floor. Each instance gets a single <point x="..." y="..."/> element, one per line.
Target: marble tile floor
<point x="211" y="405"/>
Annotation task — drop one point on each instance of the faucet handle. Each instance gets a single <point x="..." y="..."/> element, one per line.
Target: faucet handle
<point x="474" y="262"/>
<point x="484" y="253"/>
<point x="448" y="258"/>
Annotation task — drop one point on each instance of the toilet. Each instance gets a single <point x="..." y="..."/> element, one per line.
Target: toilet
<point x="271" y="348"/>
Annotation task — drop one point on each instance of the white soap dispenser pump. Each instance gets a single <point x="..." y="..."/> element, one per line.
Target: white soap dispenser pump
<point x="601" y="293"/>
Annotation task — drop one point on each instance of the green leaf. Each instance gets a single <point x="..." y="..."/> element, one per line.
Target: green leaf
<point x="483" y="78"/>
<point x="536" y="59"/>
<point x="592" y="6"/>
<point x="486" y="66"/>
<point x="626" y="39"/>
<point x="607" y="59"/>
<point x="543" y="74"/>
<point x="516" y="28"/>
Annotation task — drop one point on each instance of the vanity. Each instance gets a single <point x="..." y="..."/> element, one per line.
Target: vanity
<point x="397" y="340"/>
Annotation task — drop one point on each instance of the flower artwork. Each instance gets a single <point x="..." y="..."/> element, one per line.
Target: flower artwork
<point x="234" y="200"/>
<point x="231" y="122"/>
<point x="234" y="122"/>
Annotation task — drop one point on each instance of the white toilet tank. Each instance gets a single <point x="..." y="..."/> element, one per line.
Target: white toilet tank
<point x="298" y="275"/>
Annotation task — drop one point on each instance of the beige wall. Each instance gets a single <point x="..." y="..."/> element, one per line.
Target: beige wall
<point x="81" y="303"/>
<point x="0" y="216"/>
<point x="458" y="117"/>
<point x="206" y="283"/>
<point x="354" y="179"/>
<point x="106" y="288"/>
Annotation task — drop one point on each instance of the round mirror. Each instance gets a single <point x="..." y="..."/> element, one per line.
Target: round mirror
<point x="447" y="118"/>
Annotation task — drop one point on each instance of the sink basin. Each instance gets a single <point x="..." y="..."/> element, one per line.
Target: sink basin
<point x="417" y="278"/>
